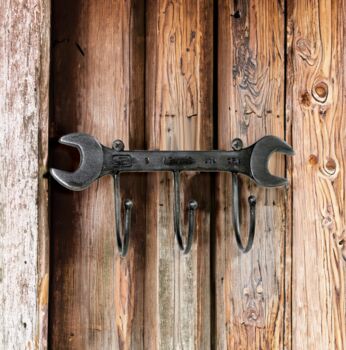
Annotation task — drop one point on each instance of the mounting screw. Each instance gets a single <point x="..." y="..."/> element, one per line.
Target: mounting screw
<point x="118" y="145"/>
<point x="237" y="144"/>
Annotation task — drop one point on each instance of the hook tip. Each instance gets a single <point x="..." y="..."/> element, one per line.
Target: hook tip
<point x="128" y="204"/>
<point x="252" y="200"/>
<point x="193" y="205"/>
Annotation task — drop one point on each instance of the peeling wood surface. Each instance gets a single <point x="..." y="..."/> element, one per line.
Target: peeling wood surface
<point x="178" y="116"/>
<point x="97" y="81"/>
<point x="24" y="73"/>
<point x="250" y="288"/>
<point x="316" y="72"/>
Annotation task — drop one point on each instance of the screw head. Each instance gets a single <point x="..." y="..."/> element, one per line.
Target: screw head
<point x="118" y="145"/>
<point x="237" y="144"/>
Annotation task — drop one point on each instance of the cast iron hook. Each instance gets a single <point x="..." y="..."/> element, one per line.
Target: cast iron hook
<point x="122" y="243"/>
<point x="236" y="216"/>
<point x="192" y="206"/>
<point x="237" y="145"/>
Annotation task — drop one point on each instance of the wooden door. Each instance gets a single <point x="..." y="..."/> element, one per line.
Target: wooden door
<point x="172" y="75"/>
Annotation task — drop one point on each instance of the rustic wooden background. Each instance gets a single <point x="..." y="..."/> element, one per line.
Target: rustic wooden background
<point x="178" y="75"/>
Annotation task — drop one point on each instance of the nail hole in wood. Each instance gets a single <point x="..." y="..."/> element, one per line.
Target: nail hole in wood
<point x="236" y="14"/>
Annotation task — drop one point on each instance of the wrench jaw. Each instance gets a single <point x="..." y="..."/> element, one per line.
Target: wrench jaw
<point x="90" y="165"/>
<point x="260" y="157"/>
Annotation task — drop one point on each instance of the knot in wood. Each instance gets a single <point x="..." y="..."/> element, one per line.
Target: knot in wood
<point x="305" y="99"/>
<point x="320" y="92"/>
<point x="313" y="159"/>
<point x="330" y="166"/>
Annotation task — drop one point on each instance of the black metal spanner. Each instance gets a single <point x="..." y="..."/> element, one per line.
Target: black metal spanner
<point x="97" y="160"/>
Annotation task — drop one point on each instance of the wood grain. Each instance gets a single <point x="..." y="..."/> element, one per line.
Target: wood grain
<point x="24" y="248"/>
<point x="316" y="41"/>
<point x="250" y="288"/>
<point x="98" y="88"/>
<point x="178" y="116"/>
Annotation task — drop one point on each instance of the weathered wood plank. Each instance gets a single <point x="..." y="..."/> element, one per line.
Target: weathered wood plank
<point x="316" y="41"/>
<point x="24" y="76"/>
<point x="179" y="116"/>
<point x="250" y="288"/>
<point x="98" y="74"/>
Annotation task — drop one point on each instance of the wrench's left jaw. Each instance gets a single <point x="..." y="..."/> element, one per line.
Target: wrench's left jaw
<point x="68" y="180"/>
<point x="90" y="166"/>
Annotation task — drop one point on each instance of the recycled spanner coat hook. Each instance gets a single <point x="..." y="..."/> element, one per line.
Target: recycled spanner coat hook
<point x="97" y="160"/>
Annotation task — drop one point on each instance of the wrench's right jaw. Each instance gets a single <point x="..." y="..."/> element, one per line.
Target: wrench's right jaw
<point x="91" y="161"/>
<point x="262" y="151"/>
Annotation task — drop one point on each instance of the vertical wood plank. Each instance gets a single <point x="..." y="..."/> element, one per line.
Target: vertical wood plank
<point x="178" y="116"/>
<point x="24" y="258"/>
<point x="316" y="41"/>
<point x="250" y="288"/>
<point x="98" y="73"/>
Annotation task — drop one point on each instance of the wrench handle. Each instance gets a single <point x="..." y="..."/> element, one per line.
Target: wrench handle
<point x="176" y="161"/>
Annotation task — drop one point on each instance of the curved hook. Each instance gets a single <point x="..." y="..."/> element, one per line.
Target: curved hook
<point x="122" y="243"/>
<point x="236" y="216"/>
<point x="192" y="206"/>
